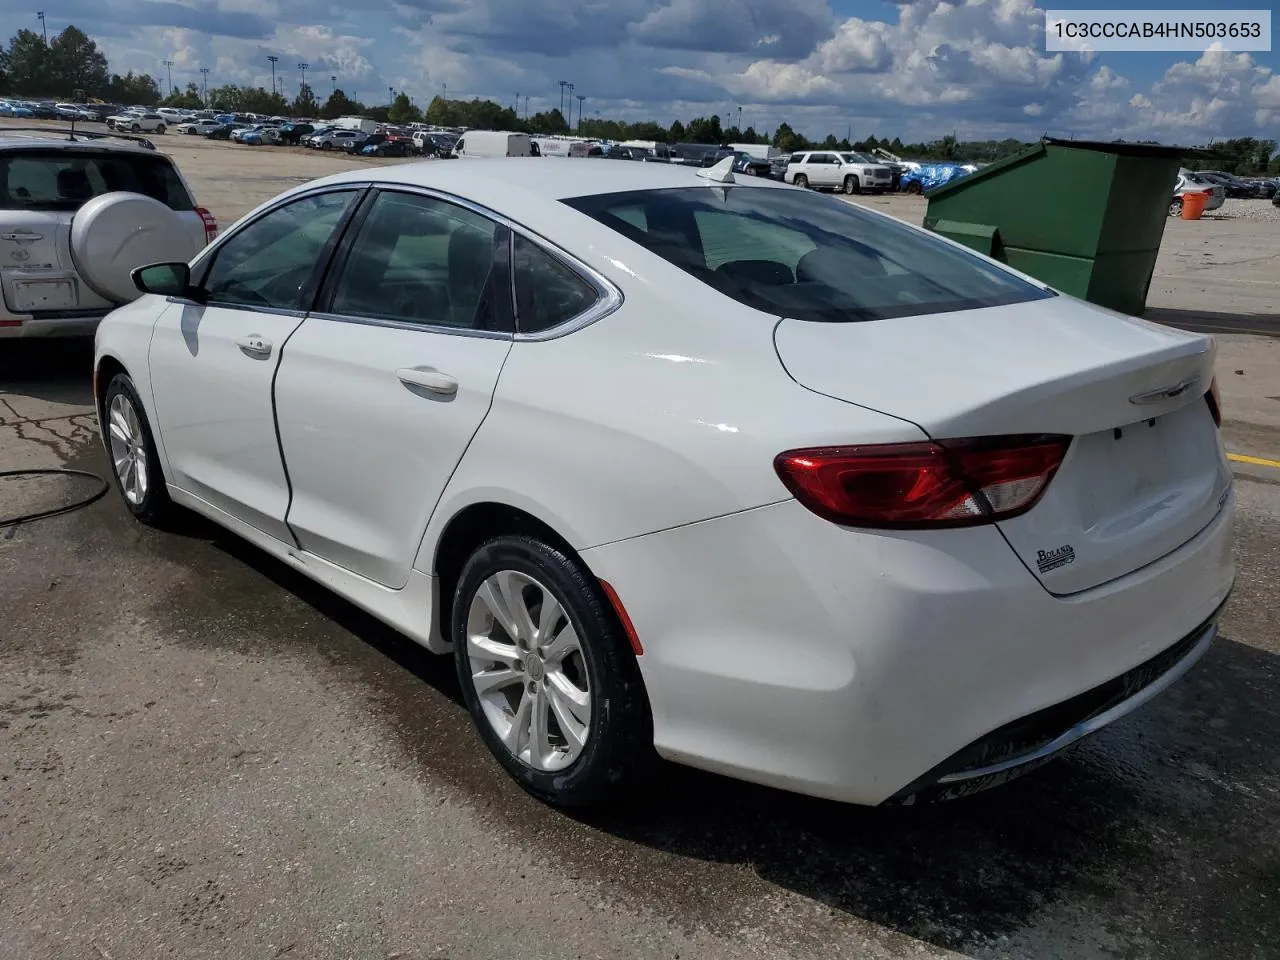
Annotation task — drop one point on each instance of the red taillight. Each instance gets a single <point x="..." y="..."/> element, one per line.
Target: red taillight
<point x="953" y="483"/>
<point x="1214" y="399"/>
<point x="210" y="224"/>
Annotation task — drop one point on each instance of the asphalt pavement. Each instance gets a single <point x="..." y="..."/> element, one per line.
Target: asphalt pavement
<point x="204" y="755"/>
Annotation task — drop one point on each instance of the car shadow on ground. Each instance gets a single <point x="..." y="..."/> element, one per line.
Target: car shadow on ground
<point x="1154" y="838"/>
<point x="1145" y="837"/>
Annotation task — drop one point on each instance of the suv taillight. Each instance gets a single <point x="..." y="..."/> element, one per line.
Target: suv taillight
<point x="1214" y="399"/>
<point x="210" y="225"/>
<point x="952" y="483"/>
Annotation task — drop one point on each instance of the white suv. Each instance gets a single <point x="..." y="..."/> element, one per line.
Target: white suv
<point x="138" y="122"/>
<point x="836" y="170"/>
<point x="76" y="217"/>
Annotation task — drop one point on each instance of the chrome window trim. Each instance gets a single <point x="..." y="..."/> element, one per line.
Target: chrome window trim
<point x="610" y="297"/>
<point x="410" y="325"/>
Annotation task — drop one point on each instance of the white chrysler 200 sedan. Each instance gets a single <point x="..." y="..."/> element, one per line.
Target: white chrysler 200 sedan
<point x="733" y="474"/>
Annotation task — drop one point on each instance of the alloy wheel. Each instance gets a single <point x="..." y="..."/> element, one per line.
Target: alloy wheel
<point x="528" y="669"/>
<point x="128" y="449"/>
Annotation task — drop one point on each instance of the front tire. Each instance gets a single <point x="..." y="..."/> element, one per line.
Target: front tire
<point x="160" y="129"/>
<point x="136" y="129"/>
<point x="135" y="464"/>
<point x="326" y="146"/>
<point x="1175" y="207"/>
<point x="548" y="674"/>
<point x="852" y="185"/>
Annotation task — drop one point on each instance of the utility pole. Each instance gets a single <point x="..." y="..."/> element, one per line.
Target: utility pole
<point x="444" y="95"/>
<point x="274" y="60"/>
<point x="168" y="69"/>
<point x="581" y="100"/>
<point x="44" y="27"/>
<point x="204" y="73"/>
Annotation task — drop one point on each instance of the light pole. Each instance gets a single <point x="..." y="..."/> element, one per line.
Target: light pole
<point x="444" y="92"/>
<point x="581" y="100"/>
<point x="739" y="123"/>
<point x="274" y="60"/>
<point x="44" y="27"/>
<point x="391" y="96"/>
<point x="563" y="84"/>
<point x="526" y="106"/>
<point x="334" y="80"/>
<point x="204" y="82"/>
<point x="570" y="106"/>
<point x="168" y="69"/>
<point x="302" y="69"/>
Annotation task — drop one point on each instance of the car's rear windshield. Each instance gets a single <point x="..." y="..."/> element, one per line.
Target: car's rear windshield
<point x="797" y="254"/>
<point x="66" y="179"/>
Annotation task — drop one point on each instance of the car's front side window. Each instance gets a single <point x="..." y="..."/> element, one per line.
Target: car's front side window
<point x="420" y="260"/>
<point x="269" y="262"/>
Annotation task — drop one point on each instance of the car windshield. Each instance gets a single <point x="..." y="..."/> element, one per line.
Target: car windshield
<point x="66" y="179"/>
<point x="797" y="254"/>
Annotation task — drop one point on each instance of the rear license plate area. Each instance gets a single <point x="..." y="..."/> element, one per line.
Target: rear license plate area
<point x="39" y="295"/>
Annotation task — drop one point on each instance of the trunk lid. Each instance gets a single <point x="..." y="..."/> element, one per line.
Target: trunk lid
<point x="1145" y="471"/>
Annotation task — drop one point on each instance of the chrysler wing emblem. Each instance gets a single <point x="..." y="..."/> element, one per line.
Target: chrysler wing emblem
<point x="1162" y="394"/>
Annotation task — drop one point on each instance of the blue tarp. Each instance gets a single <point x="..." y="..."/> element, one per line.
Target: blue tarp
<point x="931" y="175"/>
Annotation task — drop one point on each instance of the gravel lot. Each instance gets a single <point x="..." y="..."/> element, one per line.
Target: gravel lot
<point x="202" y="755"/>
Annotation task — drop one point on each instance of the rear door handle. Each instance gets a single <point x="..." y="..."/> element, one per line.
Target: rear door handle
<point x="429" y="379"/>
<point x="255" y="345"/>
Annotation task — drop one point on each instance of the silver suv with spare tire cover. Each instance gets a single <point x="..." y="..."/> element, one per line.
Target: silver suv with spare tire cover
<point x="76" y="218"/>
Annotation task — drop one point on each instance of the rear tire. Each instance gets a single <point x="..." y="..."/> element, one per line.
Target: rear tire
<point x="1175" y="207"/>
<point x="160" y="129"/>
<point x="135" y="464"/>
<point x="136" y="129"/>
<point x="801" y="181"/>
<point x="561" y="705"/>
<point x="914" y="188"/>
<point x="326" y="146"/>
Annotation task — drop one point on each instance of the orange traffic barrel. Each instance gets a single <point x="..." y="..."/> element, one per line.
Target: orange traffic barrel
<point x="1193" y="204"/>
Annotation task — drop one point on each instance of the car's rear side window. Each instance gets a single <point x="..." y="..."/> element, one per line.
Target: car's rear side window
<point x="797" y="254"/>
<point x="65" y="179"/>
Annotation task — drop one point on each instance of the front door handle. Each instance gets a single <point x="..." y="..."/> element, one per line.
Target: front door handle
<point x="255" y="345"/>
<point x="428" y="378"/>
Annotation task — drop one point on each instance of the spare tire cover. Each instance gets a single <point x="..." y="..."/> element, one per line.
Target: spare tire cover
<point x="115" y="233"/>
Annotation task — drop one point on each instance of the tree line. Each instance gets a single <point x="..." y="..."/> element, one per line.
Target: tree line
<point x="71" y="67"/>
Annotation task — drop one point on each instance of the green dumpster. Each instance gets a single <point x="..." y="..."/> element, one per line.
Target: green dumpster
<point x="1084" y="217"/>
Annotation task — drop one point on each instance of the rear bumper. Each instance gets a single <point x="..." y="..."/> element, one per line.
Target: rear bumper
<point x="852" y="665"/>
<point x="39" y="327"/>
<point x="1029" y="742"/>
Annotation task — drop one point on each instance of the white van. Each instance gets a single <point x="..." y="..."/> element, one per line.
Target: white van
<point x="493" y="143"/>
<point x="555" y="147"/>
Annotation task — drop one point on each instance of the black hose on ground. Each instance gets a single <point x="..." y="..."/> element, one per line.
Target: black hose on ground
<point x="56" y="511"/>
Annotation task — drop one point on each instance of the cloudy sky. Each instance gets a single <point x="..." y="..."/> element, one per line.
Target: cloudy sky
<point x="915" y="69"/>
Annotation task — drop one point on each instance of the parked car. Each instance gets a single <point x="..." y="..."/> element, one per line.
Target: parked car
<point x="137" y="122"/>
<point x="434" y="144"/>
<point x="834" y="170"/>
<point x="260" y="137"/>
<point x="222" y="131"/>
<point x="10" y="108"/>
<point x="335" y="139"/>
<point x="292" y="133"/>
<point x="854" y="552"/>
<point x="1236" y="188"/>
<point x="755" y="166"/>
<point x="75" y="218"/>
<point x="381" y="145"/>
<point x="195" y="128"/>
<point x="1188" y="182"/>
<point x="238" y="135"/>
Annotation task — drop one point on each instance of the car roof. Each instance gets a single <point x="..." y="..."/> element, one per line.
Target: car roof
<point x="15" y="140"/>
<point x="537" y="178"/>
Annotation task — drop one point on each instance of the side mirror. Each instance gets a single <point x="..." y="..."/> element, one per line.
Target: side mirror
<point x="163" y="279"/>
